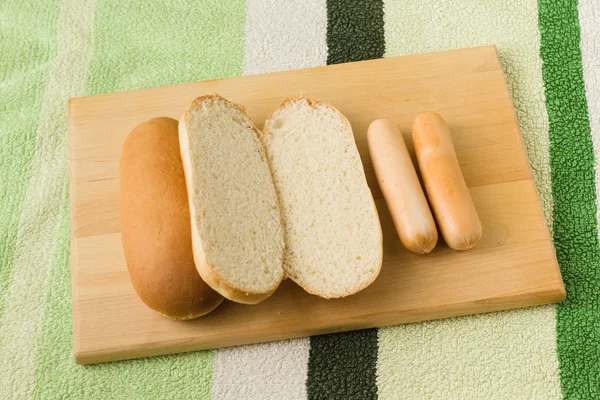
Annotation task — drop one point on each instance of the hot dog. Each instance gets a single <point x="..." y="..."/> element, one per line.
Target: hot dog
<point x="401" y="188"/>
<point x="446" y="188"/>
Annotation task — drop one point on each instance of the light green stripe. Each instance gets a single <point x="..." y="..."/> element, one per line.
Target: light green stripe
<point x="503" y="355"/>
<point x="41" y="216"/>
<point x="159" y="43"/>
<point x="27" y="47"/>
<point x="166" y="42"/>
<point x="57" y="376"/>
<point x="52" y="347"/>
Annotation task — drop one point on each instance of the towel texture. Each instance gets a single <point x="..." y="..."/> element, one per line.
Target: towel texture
<point x="53" y="50"/>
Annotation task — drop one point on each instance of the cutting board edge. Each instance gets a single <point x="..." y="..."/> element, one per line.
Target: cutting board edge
<point x="548" y="296"/>
<point x="73" y="236"/>
<point x="77" y="101"/>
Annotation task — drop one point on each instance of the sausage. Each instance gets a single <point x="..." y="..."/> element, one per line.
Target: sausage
<point x="401" y="187"/>
<point x="446" y="188"/>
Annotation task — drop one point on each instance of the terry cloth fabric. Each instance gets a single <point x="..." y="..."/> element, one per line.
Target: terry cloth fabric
<point x="52" y="50"/>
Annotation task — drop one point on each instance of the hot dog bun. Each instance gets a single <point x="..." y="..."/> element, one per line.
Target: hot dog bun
<point x="155" y="223"/>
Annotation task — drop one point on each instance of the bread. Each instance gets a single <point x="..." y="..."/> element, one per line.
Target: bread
<point x="332" y="232"/>
<point x="237" y="233"/>
<point x="155" y="223"/>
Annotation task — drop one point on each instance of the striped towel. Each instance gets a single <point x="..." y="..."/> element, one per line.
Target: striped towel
<point x="52" y="50"/>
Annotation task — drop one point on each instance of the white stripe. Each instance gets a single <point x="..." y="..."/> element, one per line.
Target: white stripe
<point x="276" y="370"/>
<point x="279" y="36"/>
<point x="589" y="21"/>
<point x="284" y="35"/>
<point x="47" y="190"/>
<point x="501" y="355"/>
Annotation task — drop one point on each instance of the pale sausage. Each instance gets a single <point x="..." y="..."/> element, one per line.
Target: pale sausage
<point x="446" y="189"/>
<point x="401" y="188"/>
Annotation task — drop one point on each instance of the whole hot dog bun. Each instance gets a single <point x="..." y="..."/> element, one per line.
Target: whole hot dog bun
<point x="155" y="223"/>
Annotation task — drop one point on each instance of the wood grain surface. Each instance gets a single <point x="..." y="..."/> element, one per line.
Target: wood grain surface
<point x="513" y="266"/>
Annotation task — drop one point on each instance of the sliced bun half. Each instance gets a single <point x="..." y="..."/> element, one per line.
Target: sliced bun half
<point x="333" y="236"/>
<point x="237" y="233"/>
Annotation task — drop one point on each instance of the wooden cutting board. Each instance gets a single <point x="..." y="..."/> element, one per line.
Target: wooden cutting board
<point x="513" y="266"/>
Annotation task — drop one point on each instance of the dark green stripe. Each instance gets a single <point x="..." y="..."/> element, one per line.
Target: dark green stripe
<point x="355" y="30"/>
<point x="573" y="190"/>
<point x="344" y="365"/>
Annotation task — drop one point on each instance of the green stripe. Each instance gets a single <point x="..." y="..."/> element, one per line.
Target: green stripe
<point x="344" y="365"/>
<point x="27" y="48"/>
<point x="161" y="43"/>
<point x="166" y="42"/>
<point x="575" y="224"/>
<point x="354" y="30"/>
